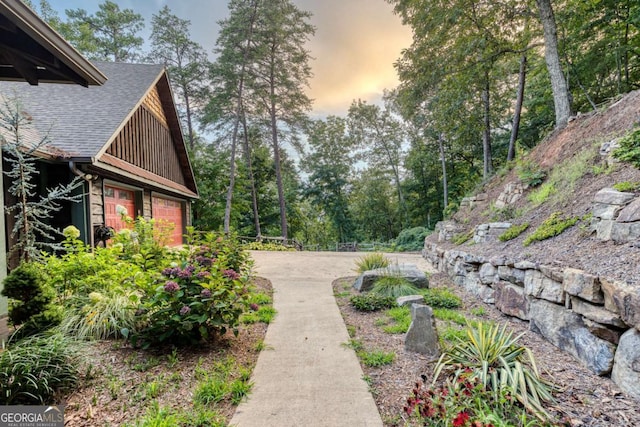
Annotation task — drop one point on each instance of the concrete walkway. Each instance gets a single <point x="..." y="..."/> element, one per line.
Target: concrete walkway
<point x="307" y="377"/>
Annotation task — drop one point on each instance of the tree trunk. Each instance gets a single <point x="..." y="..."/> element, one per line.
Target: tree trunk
<point x="252" y="180"/>
<point x="486" y="134"/>
<point x="552" y="58"/>
<point x="445" y="187"/>
<point x="187" y="105"/>
<point x="522" y="76"/>
<point x="278" y="167"/>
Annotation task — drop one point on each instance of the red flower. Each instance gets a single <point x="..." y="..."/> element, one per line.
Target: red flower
<point x="461" y="419"/>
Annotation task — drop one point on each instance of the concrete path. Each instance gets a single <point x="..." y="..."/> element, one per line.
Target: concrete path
<point x="307" y="377"/>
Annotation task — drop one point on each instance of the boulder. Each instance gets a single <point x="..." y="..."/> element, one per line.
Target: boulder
<point x="422" y="336"/>
<point x="567" y="331"/>
<point x="596" y="313"/>
<point x="366" y="280"/>
<point x="409" y="299"/>
<point x="538" y="285"/>
<point x="473" y="284"/>
<point x="511" y="274"/>
<point x="584" y="285"/>
<point x="626" y="367"/>
<point x="511" y="300"/>
<point x="487" y="273"/>
<point x="622" y="232"/>
<point x="610" y="196"/>
<point x="631" y="213"/>
<point x="623" y="299"/>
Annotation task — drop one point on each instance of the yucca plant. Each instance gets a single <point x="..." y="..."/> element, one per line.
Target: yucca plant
<point x="371" y="262"/>
<point x="394" y="286"/>
<point x="491" y="354"/>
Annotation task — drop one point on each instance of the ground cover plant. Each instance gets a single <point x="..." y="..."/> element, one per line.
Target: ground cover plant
<point x="371" y="262"/>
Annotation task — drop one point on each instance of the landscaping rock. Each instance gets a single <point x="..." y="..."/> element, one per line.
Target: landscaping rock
<point x="487" y="273"/>
<point x="473" y="284"/>
<point x="511" y="274"/>
<point x="409" y="299"/>
<point x="623" y="299"/>
<point x="422" y="336"/>
<point x="626" y="368"/>
<point x="538" y="285"/>
<point x="584" y="285"/>
<point x="511" y="300"/>
<point x="610" y="196"/>
<point x="622" y="232"/>
<point x="596" y="313"/>
<point x="567" y="331"/>
<point x="631" y="213"/>
<point x="410" y="272"/>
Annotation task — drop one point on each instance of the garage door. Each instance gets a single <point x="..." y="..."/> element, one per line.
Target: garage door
<point x="170" y="211"/>
<point x="114" y="200"/>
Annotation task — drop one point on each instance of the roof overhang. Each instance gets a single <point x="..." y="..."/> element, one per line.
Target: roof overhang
<point x="31" y="50"/>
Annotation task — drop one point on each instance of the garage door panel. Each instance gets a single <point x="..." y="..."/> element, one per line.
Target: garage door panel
<point x="114" y="198"/>
<point x="171" y="211"/>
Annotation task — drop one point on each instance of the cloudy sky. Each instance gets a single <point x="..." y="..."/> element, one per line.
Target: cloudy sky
<point x="355" y="45"/>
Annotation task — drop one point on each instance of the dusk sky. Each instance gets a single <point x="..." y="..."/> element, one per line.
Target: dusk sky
<point x="355" y="45"/>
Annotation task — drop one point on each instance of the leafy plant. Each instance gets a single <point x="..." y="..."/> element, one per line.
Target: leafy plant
<point x="401" y="317"/>
<point x="372" y="302"/>
<point x="36" y="368"/>
<point x="627" y="186"/>
<point x="376" y="358"/>
<point x="514" y="231"/>
<point x="267" y="246"/>
<point x="629" y="148"/>
<point x="541" y="195"/>
<point x="412" y="239"/>
<point x="490" y="355"/>
<point x="461" y="238"/>
<point x="440" y="298"/>
<point x="394" y="286"/>
<point x="530" y="174"/>
<point x="552" y="226"/>
<point x="371" y="262"/>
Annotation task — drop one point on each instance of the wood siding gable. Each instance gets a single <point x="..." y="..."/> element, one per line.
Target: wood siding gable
<point x="146" y="141"/>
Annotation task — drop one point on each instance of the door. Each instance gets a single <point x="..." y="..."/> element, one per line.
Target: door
<point x="116" y="201"/>
<point x="171" y="211"/>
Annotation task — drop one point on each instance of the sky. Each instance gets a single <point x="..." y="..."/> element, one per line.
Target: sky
<point x="355" y="45"/>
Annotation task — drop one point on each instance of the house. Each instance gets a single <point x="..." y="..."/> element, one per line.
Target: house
<point x="31" y="51"/>
<point x="123" y="138"/>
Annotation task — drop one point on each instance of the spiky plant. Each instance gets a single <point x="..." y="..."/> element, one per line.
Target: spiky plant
<point x="394" y="286"/>
<point x="371" y="262"/>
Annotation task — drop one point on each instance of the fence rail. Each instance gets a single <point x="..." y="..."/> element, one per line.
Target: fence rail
<point x="337" y="247"/>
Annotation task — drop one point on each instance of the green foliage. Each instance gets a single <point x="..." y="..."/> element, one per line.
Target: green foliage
<point x="461" y="238"/>
<point x="449" y="315"/>
<point x="530" y="174"/>
<point x="224" y="382"/>
<point x="542" y="194"/>
<point x="490" y="356"/>
<point x="158" y="416"/>
<point x="514" y="231"/>
<point x="629" y="149"/>
<point x="371" y="262"/>
<point x="552" y="226"/>
<point x="440" y="298"/>
<point x="376" y="358"/>
<point x="394" y="286"/>
<point x="401" y="317"/>
<point x="412" y="239"/>
<point x="37" y="368"/>
<point x="30" y="300"/>
<point x="627" y="186"/>
<point x="267" y="246"/>
<point x="372" y="302"/>
<point x="144" y="243"/>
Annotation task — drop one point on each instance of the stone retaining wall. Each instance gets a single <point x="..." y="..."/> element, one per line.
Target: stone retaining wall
<point x="595" y="319"/>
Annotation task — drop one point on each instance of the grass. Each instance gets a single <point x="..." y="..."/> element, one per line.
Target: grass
<point x="401" y="320"/>
<point x="448" y="315"/>
<point x="371" y="262"/>
<point x="394" y="287"/>
<point x="376" y="358"/>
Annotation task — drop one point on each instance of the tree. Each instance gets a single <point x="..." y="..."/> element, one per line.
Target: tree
<point x="31" y="232"/>
<point x="552" y="57"/>
<point x="186" y="62"/>
<point x="109" y="35"/>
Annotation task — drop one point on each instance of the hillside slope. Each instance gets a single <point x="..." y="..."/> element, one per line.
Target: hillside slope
<point x="577" y="170"/>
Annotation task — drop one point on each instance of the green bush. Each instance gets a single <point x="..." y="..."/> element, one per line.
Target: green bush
<point x="412" y="239"/>
<point x="267" y="246"/>
<point x="372" y="302"/>
<point x="371" y="262"/>
<point x="30" y="300"/>
<point x="530" y="174"/>
<point x="542" y="194"/>
<point x="629" y="149"/>
<point x="461" y="238"/>
<point x="627" y="186"/>
<point x="440" y="298"/>
<point x="394" y="286"/>
<point x="144" y="243"/>
<point x="552" y="226"/>
<point x="513" y="232"/>
<point x="37" y="368"/>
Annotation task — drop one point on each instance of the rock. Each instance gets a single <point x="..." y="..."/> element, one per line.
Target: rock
<point x="511" y="300"/>
<point x="626" y="368"/>
<point x="410" y="272"/>
<point x="625" y="231"/>
<point x="554" y="273"/>
<point x="610" y="196"/>
<point x="490" y="232"/>
<point x="422" y="336"/>
<point x="511" y="274"/>
<point x="525" y="265"/>
<point x="610" y="334"/>
<point x="584" y="285"/>
<point x="595" y="313"/>
<point x="409" y="299"/>
<point x="487" y="273"/>
<point x="567" y="331"/>
<point x="631" y="213"/>
<point x="473" y="284"/>
<point x="538" y="285"/>
<point x="604" y="211"/>
<point x="622" y="299"/>
<point x="602" y="228"/>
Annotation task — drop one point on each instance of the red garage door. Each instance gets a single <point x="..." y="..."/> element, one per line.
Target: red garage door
<point x="115" y="199"/>
<point x="170" y="211"/>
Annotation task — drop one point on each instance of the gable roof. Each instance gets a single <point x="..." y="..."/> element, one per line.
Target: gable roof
<point x="82" y="122"/>
<point x="31" y="50"/>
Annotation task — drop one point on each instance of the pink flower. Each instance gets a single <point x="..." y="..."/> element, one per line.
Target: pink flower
<point x="185" y="310"/>
<point x="171" y="287"/>
<point x="206" y="293"/>
<point x="231" y="274"/>
<point x="461" y="419"/>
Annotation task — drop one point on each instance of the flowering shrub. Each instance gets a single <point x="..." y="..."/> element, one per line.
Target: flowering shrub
<point x="202" y="295"/>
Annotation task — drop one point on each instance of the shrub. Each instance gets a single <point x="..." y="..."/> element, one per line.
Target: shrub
<point x="490" y="356"/>
<point x="627" y="186"/>
<point x="144" y="243"/>
<point x="530" y="174"/>
<point x="629" y="149"/>
<point x="552" y="226"/>
<point x="513" y="232"/>
<point x="267" y="246"/>
<point x="461" y="238"/>
<point x="371" y="262"/>
<point x="541" y="195"/>
<point x="372" y="302"/>
<point x="394" y="286"/>
<point x="31" y="300"/>
<point x="412" y="239"/>
<point x="37" y="368"/>
<point x="441" y="298"/>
